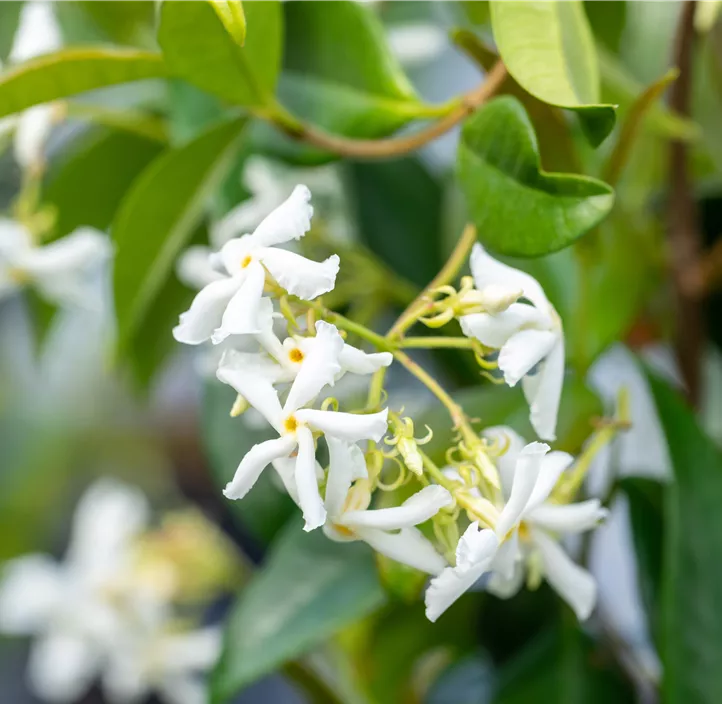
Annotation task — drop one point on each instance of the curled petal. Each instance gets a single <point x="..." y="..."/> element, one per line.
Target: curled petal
<point x="508" y="438"/>
<point x="346" y="463"/>
<point x="408" y="546"/>
<point x="416" y="509"/>
<point x="300" y="276"/>
<point x="474" y="546"/>
<point x="543" y="392"/>
<point x="572" y="518"/>
<point x="309" y="498"/>
<point x="506" y="587"/>
<point x="552" y="467"/>
<point x="289" y="221"/>
<point x="523" y="351"/>
<point x="495" y="330"/>
<point x="206" y="312"/>
<point x="356" y="361"/>
<point x="242" y="314"/>
<point x="255" y="461"/>
<point x="350" y="427"/>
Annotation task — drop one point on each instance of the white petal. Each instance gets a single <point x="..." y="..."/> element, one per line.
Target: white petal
<point x="194" y="268"/>
<point x="346" y="463"/>
<point x="206" y="312"/>
<point x="183" y="689"/>
<point x="289" y="221"/>
<point x="242" y="314"/>
<point x="193" y="651"/>
<point x="552" y="467"/>
<point x="62" y="667"/>
<point x="572" y="518"/>
<point x="495" y="330"/>
<point x="523" y="351"/>
<point x="234" y="363"/>
<point x="31" y="135"/>
<point x="233" y="256"/>
<point x="319" y="367"/>
<point x="475" y="552"/>
<point x="408" y="546"/>
<point x="573" y="583"/>
<point x="543" y="392"/>
<point x="506" y="587"/>
<point x="514" y="443"/>
<point x="286" y="469"/>
<point x="255" y="461"/>
<point x="300" y="276"/>
<point x="418" y="508"/>
<point x="358" y="362"/>
<point x="38" y="32"/>
<point x="15" y="241"/>
<point x="241" y="220"/>
<point x="351" y="427"/>
<point x="255" y="384"/>
<point x="486" y="270"/>
<point x="31" y="587"/>
<point x="507" y="556"/>
<point x="309" y="498"/>
<point x="526" y="474"/>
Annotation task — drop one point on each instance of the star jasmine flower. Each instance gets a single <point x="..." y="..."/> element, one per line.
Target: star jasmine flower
<point x="295" y="423"/>
<point x="389" y="531"/>
<point x="529" y="336"/>
<point x="525" y="533"/>
<point x="63" y="271"/>
<point x="66" y="606"/>
<point x="230" y="305"/>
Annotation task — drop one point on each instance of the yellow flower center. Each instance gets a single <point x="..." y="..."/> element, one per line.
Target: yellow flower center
<point x="295" y="355"/>
<point x="290" y="424"/>
<point x="346" y="532"/>
<point x="524" y="534"/>
<point x="246" y="261"/>
<point x="18" y="276"/>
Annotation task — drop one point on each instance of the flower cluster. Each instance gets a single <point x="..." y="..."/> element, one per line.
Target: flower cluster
<point x="108" y="612"/>
<point x="511" y="498"/>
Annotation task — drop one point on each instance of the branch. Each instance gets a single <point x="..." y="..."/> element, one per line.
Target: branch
<point x="394" y="146"/>
<point x="683" y="232"/>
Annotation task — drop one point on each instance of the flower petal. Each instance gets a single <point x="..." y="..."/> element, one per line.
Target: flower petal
<point x="234" y="363"/>
<point x="300" y="276"/>
<point x="33" y="129"/>
<point x="523" y="351"/>
<point x="206" y="312"/>
<point x="514" y="443"/>
<point x="552" y="467"/>
<point x="289" y="221"/>
<point x="357" y="361"/>
<point x="194" y="268"/>
<point x="309" y="498"/>
<point x="526" y="474"/>
<point x="408" y="546"/>
<point x="286" y="469"/>
<point x="573" y="583"/>
<point x="192" y="651"/>
<point x="241" y="220"/>
<point x="233" y="255"/>
<point x="418" y="508"/>
<point x="319" y="367"/>
<point x="242" y="314"/>
<point x="495" y="330"/>
<point x="506" y="587"/>
<point x="572" y="518"/>
<point x="507" y="556"/>
<point x="346" y="464"/>
<point x="475" y="552"/>
<point x="543" y="392"/>
<point x="351" y="427"/>
<point x="255" y="461"/>
<point x="486" y="271"/>
<point x="15" y="241"/>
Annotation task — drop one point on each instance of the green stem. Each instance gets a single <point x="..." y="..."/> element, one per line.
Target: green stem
<point x="362" y="331"/>
<point x="437" y="342"/>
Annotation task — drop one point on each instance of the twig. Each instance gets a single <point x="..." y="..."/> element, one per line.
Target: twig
<point x="684" y="237"/>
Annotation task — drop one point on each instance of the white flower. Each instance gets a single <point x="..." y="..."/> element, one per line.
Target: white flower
<point x="63" y="271"/>
<point x="66" y="606"/>
<point x="295" y="424"/>
<point x="230" y="305"/>
<point x="389" y="531"/>
<point x="529" y="336"/>
<point x="417" y="42"/>
<point x="524" y="534"/>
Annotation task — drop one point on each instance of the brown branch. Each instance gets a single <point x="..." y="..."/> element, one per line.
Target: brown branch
<point x="706" y="275"/>
<point x="397" y="146"/>
<point x="683" y="231"/>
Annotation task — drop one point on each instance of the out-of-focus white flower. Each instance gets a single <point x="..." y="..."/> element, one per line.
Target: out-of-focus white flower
<point x="295" y="424"/>
<point x="38" y="32"/>
<point x="69" y="607"/>
<point x="63" y="271"/>
<point x="230" y="306"/>
<point x="389" y="531"/>
<point x="529" y="336"/>
<point x="416" y="42"/>
<point x="524" y="539"/>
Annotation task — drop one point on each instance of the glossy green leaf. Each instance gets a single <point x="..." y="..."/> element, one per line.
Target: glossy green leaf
<point x="549" y="49"/>
<point x="72" y="71"/>
<point x="691" y="637"/>
<point x="309" y="589"/>
<point x="519" y="209"/>
<point x="226" y="441"/>
<point x="158" y="216"/>
<point x="198" y="48"/>
<point x="233" y="18"/>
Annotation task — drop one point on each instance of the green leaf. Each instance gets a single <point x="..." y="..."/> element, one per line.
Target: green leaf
<point x="549" y="49"/>
<point x="518" y="208"/>
<point x="128" y="22"/>
<point x="158" y="216"/>
<point x="309" y="589"/>
<point x="691" y="578"/>
<point x="226" y="441"/>
<point x="9" y="20"/>
<point x="233" y="18"/>
<point x="72" y="71"/>
<point x="198" y="48"/>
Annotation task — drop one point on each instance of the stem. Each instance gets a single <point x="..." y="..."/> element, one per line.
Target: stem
<point x="436" y="474"/>
<point x="463" y="343"/>
<point x="376" y="388"/>
<point x="684" y="237"/>
<point x="447" y="274"/>
<point x="394" y="146"/>
<point x="363" y="332"/>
